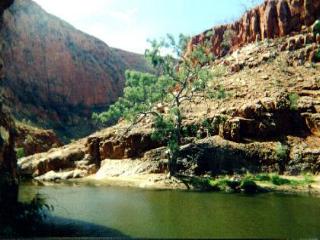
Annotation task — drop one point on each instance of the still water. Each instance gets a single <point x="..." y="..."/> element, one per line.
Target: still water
<point x="179" y="214"/>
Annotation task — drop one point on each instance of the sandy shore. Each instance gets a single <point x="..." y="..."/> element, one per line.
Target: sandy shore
<point x="146" y="181"/>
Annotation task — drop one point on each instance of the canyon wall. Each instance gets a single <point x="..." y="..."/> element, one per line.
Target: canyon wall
<point x="8" y="162"/>
<point x="272" y="19"/>
<point x="56" y="75"/>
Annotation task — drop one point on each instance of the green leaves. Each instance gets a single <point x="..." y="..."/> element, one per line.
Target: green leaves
<point x="141" y="92"/>
<point x="163" y="128"/>
<point x="293" y="98"/>
<point x="20" y="152"/>
<point x="316" y="28"/>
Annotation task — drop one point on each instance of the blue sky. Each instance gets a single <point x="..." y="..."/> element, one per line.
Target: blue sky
<point x="127" y="24"/>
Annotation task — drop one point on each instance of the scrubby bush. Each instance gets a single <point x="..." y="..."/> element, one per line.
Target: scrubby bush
<point x="282" y="151"/>
<point x="219" y="94"/>
<point x="317" y="56"/>
<point x="293" y="98"/>
<point x="20" y="152"/>
<point x="277" y="180"/>
<point x="248" y="186"/>
<point x="316" y="28"/>
<point x="263" y="177"/>
<point x="220" y="184"/>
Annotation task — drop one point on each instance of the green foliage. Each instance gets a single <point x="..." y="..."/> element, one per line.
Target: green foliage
<point x="207" y="125"/>
<point x="244" y="184"/>
<point x="27" y="218"/>
<point x="262" y="177"/>
<point x="249" y="186"/>
<point x="183" y="81"/>
<point x="141" y="92"/>
<point x="307" y="179"/>
<point x="282" y="151"/>
<point x="293" y="98"/>
<point x="165" y="130"/>
<point x="221" y="184"/>
<point x="317" y="56"/>
<point x="316" y="28"/>
<point x="20" y="152"/>
<point x="219" y="94"/>
<point x="277" y="180"/>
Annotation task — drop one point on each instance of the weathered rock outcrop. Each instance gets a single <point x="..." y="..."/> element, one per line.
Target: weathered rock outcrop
<point x="56" y="76"/>
<point x="272" y="19"/>
<point x="113" y="146"/>
<point x="87" y="154"/>
<point x="8" y="162"/>
<point x="34" y="140"/>
<point x="64" y="158"/>
<point x="266" y="119"/>
<point x="219" y="156"/>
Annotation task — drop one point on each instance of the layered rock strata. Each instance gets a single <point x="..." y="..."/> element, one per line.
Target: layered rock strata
<point x="272" y="19"/>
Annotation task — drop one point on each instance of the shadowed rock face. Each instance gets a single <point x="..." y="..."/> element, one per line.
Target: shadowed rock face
<point x="34" y="140"/>
<point x="8" y="162"/>
<point x="56" y="75"/>
<point x="272" y="19"/>
<point x="5" y="4"/>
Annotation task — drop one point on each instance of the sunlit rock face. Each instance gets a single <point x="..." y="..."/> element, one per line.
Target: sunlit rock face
<point x="8" y="162"/>
<point x="56" y="75"/>
<point x="272" y="19"/>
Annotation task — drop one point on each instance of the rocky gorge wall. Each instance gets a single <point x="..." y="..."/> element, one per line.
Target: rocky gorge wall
<point x="8" y="162"/>
<point x="272" y="19"/>
<point x="56" y="75"/>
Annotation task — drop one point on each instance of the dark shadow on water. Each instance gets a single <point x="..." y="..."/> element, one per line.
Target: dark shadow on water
<point x="62" y="227"/>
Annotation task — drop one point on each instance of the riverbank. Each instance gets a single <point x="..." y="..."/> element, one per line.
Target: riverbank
<point x="264" y="182"/>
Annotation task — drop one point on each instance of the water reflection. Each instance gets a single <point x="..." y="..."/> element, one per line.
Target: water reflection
<point x="163" y="214"/>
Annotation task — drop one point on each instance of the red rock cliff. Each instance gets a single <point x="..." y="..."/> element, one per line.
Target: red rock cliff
<point x="57" y="76"/>
<point x="272" y="19"/>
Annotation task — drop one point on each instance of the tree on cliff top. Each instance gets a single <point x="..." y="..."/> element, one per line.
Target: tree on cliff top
<point x="179" y="79"/>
